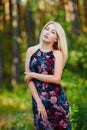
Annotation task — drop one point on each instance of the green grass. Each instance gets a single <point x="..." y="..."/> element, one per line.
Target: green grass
<point x="16" y="110"/>
<point x="16" y="106"/>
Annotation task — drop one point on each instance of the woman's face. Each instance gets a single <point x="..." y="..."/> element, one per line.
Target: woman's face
<point x="49" y="34"/>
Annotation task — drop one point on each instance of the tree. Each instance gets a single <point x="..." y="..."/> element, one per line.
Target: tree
<point x="85" y="16"/>
<point x="1" y="27"/>
<point x="67" y="10"/>
<point x="75" y="16"/>
<point x="1" y="64"/>
<point x="16" y="48"/>
<point x="29" y="25"/>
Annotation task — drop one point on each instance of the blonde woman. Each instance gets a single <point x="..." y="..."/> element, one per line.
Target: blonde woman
<point x="43" y="70"/>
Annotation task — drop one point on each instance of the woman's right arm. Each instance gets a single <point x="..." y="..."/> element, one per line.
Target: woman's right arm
<point x="31" y="83"/>
<point x="40" y="106"/>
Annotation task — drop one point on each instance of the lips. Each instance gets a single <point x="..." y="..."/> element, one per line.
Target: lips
<point x="45" y="36"/>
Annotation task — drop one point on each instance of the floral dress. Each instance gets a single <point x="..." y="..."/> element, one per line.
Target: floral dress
<point x="52" y="95"/>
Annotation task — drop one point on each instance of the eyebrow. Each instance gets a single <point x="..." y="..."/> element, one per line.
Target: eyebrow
<point x="52" y="29"/>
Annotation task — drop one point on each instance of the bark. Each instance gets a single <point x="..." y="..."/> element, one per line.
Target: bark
<point x="1" y="27"/>
<point x="85" y="16"/>
<point x="1" y="63"/>
<point x="16" y="48"/>
<point x="7" y="11"/>
<point x="75" y="16"/>
<point x="67" y="10"/>
<point x="30" y="26"/>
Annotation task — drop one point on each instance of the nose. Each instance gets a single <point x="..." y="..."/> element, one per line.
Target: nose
<point x="47" y="32"/>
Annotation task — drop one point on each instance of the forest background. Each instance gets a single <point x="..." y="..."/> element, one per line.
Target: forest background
<point x="20" y="26"/>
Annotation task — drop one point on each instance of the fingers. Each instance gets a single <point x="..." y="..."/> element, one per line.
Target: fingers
<point x="26" y="79"/>
<point x="25" y="72"/>
<point x="39" y="113"/>
<point x="44" y="115"/>
<point x="27" y="76"/>
<point x="42" y="112"/>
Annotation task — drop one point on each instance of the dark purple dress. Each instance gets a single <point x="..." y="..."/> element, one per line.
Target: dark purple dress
<point x="52" y="95"/>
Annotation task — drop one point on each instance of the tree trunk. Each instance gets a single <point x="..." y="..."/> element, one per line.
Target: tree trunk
<point x="7" y="11"/>
<point x="85" y="16"/>
<point x="1" y="27"/>
<point x="1" y="64"/>
<point x="67" y="10"/>
<point x="75" y="16"/>
<point x="30" y="26"/>
<point x="16" y="49"/>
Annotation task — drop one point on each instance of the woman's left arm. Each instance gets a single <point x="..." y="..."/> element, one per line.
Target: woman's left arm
<point x="57" y="71"/>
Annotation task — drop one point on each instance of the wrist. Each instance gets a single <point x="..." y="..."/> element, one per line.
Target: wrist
<point x="32" y="74"/>
<point x="38" y="101"/>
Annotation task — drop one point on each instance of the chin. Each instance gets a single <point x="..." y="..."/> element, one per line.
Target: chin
<point x="46" y="42"/>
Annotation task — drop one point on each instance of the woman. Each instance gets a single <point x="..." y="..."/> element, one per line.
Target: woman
<point x="43" y="70"/>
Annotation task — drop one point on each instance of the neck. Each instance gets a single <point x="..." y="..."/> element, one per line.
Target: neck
<point x="47" y="47"/>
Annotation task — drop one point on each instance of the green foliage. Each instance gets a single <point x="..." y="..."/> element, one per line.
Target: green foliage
<point x="78" y="52"/>
<point x="16" y="112"/>
<point x="76" y="87"/>
<point x="7" y="45"/>
<point x="20" y="120"/>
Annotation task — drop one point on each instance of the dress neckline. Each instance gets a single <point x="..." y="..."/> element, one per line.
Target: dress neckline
<point x="45" y="52"/>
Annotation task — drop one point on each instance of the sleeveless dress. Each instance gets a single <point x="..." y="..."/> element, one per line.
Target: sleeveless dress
<point x="52" y="95"/>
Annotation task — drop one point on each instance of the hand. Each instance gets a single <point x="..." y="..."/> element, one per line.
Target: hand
<point x="27" y="77"/>
<point x="42" y="111"/>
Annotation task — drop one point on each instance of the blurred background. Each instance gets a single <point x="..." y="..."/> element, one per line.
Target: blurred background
<point x="20" y="24"/>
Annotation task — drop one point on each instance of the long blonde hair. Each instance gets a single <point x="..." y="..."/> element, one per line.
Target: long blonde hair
<point x="62" y="41"/>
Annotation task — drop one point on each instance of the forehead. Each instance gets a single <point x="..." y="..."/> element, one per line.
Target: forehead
<point x="51" y="25"/>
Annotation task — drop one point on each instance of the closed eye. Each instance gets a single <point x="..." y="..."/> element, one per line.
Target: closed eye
<point x="47" y="28"/>
<point x="53" y="32"/>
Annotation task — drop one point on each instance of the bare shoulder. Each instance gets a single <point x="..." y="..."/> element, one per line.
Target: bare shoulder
<point x="58" y="53"/>
<point x="59" y="59"/>
<point x="32" y="49"/>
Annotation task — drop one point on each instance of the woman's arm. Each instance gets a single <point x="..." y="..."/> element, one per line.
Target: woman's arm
<point x="40" y="106"/>
<point x="31" y="83"/>
<point x="57" y="71"/>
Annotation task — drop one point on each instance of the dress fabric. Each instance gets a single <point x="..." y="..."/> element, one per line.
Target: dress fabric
<point x="52" y="95"/>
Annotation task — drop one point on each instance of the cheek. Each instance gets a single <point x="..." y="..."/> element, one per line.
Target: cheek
<point x="54" y="38"/>
<point x="44" y="31"/>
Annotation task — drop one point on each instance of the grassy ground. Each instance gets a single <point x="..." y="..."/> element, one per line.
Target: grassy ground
<point x="16" y="109"/>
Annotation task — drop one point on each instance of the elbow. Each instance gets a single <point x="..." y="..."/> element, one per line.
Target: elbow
<point x="57" y="81"/>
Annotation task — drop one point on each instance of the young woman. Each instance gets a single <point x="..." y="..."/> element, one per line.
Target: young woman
<point x="43" y="70"/>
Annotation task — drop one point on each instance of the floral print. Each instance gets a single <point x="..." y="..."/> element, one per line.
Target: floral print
<point x="52" y="95"/>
